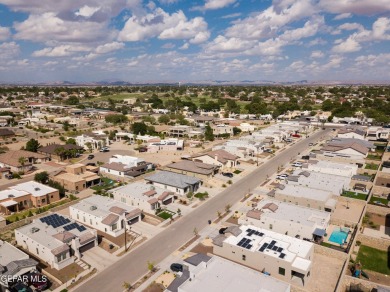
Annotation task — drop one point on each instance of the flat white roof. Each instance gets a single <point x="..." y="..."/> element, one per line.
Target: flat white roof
<point x="293" y="213"/>
<point x="34" y="188"/>
<point x="333" y="165"/>
<point x="291" y="247"/>
<point x="137" y="190"/>
<point x="10" y="194"/>
<point x="304" y="192"/>
<point x="227" y="276"/>
<point x="9" y="253"/>
<point x="102" y="204"/>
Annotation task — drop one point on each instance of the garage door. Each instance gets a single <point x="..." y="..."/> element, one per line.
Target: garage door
<point x="134" y="220"/>
<point x="87" y="246"/>
<point x="166" y="202"/>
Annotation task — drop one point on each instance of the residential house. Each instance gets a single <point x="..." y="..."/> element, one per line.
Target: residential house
<point x="349" y="148"/>
<point x="56" y="240"/>
<point x="222" y="130"/>
<point x="21" y="160"/>
<point x="170" y="144"/>
<point x="304" y="196"/>
<point x="105" y="214"/>
<point x="288" y="219"/>
<point x="378" y="134"/>
<point x="352" y="133"/>
<point x="221" y="158"/>
<point x="204" y="272"/>
<point x="242" y="148"/>
<point x="174" y="182"/>
<point x="144" y="196"/>
<point x="76" y="178"/>
<point x="93" y="140"/>
<point x="14" y="263"/>
<point x="26" y="195"/>
<point x="193" y="168"/>
<point x="125" y="166"/>
<point x="328" y="167"/>
<point x="6" y="133"/>
<point x="59" y="152"/>
<point x="284" y="257"/>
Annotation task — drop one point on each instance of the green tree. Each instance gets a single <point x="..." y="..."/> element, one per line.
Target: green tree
<point x="32" y="145"/>
<point x="164" y="119"/>
<point x="42" y="177"/>
<point x="89" y="146"/>
<point x="72" y="100"/>
<point x="208" y="134"/>
<point x="236" y="131"/>
<point x="71" y="141"/>
<point x="116" y="118"/>
<point x="22" y="161"/>
<point x="57" y="186"/>
<point x="139" y="128"/>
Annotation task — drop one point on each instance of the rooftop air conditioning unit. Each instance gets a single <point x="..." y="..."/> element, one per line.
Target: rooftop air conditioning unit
<point x="37" y="189"/>
<point x="34" y="229"/>
<point x="93" y="208"/>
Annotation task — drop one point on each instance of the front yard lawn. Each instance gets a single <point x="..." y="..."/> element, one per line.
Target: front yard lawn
<point x="201" y="196"/>
<point x="166" y="214"/>
<point x="105" y="184"/>
<point x="237" y="171"/>
<point x="373" y="259"/>
<point x="374" y="157"/>
<point x="379" y="201"/>
<point x="371" y="166"/>
<point x="354" y="195"/>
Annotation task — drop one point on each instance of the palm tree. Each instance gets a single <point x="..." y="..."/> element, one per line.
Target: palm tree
<point x="22" y="160"/>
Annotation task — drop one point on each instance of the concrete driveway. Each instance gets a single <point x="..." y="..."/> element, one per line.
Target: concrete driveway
<point x="98" y="258"/>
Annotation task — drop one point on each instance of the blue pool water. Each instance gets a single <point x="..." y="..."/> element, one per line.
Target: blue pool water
<point x="338" y="236"/>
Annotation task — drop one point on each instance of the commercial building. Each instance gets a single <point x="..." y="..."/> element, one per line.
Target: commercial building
<point x="217" y="274"/>
<point x="76" y="178"/>
<point x="174" y="182"/>
<point x="27" y="195"/>
<point x="56" y="239"/>
<point x="288" y="219"/>
<point x="304" y="196"/>
<point x="284" y="257"/>
<point x="144" y="196"/>
<point x="105" y="214"/>
<point x="193" y="168"/>
<point x="13" y="263"/>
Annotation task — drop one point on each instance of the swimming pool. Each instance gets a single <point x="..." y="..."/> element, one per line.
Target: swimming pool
<point x="339" y="235"/>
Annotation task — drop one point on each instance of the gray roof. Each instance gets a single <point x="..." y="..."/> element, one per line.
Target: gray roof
<point x="173" y="179"/>
<point x="13" y="267"/>
<point x="195" y="260"/>
<point x="219" y="239"/>
<point x="193" y="166"/>
<point x="361" y="177"/>
<point x="235" y="230"/>
<point x="174" y="286"/>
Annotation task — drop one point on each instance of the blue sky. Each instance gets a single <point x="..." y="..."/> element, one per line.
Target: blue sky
<point x="179" y="40"/>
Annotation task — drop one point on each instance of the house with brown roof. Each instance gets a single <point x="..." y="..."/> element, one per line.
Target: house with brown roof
<point x="105" y="214"/>
<point x="13" y="160"/>
<point x="193" y="168"/>
<point x="221" y="158"/>
<point x="60" y="152"/>
<point x="76" y="177"/>
<point x="6" y="133"/>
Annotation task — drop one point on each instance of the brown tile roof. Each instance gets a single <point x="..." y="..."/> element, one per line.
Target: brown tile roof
<point x="51" y="149"/>
<point x="87" y="237"/>
<point x="193" y="166"/>
<point x="12" y="157"/>
<point x="255" y="214"/>
<point x="152" y="201"/>
<point x="133" y="213"/>
<point x="164" y="195"/>
<point x="338" y="147"/>
<point x="117" y="210"/>
<point x="61" y="249"/>
<point x="150" y="193"/>
<point x="222" y="155"/>
<point x="270" y="206"/>
<point x="115" y="166"/>
<point x="110" y="219"/>
<point x="6" y="132"/>
<point x="65" y="236"/>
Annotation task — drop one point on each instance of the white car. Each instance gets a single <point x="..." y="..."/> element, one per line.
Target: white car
<point x="282" y="176"/>
<point x="297" y="164"/>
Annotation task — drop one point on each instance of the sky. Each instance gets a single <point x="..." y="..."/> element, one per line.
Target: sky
<point x="184" y="41"/>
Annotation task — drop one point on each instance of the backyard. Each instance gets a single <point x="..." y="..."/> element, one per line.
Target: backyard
<point x="105" y="185"/>
<point x="354" y="195"/>
<point x="374" y="259"/>
<point x="371" y="166"/>
<point x="379" y="201"/>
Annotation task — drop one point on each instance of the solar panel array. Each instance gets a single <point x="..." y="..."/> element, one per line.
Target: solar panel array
<point x="273" y="247"/>
<point x="75" y="226"/>
<point x="250" y="232"/>
<point x="55" y="220"/>
<point x="245" y="243"/>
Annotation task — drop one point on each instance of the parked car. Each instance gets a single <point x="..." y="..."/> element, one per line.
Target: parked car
<point x="282" y="176"/>
<point x="9" y="176"/>
<point x="228" y="174"/>
<point x="297" y="164"/>
<point x="289" y="140"/>
<point x="39" y="281"/>
<point x="143" y="149"/>
<point x="296" y="136"/>
<point x="104" y="149"/>
<point x="90" y="157"/>
<point x="268" y="150"/>
<point x="91" y="164"/>
<point x="311" y="144"/>
<point x="175" y="267"/>
<point x="306" y="157"/>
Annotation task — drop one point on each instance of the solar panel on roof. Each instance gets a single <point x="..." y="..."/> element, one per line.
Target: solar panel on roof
<point x="274" y="247"/>
<point x="273" y="242"/>
<point x="244" y="245"/>
<point x="262" y="248"/>
<point x="249" y="230"/>
<point x="282" y="255"/>
<point x="81" y="228"/>
<point x="261" y="234"/>
<point x="280" y="249"/>
<point x="249" y="246"/>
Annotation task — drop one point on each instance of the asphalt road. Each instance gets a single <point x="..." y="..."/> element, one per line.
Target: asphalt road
<point x="134" y="265"/>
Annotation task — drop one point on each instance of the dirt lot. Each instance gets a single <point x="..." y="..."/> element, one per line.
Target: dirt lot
<point x="378" y="219"/>
<point x="351" y="214"/>
<point x="324" y="273"/>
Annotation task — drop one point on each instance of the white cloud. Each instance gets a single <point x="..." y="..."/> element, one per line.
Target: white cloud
<point x="50" y="63"/>
<point x="185" y="46"/>
<point x="168" y="46"/>
<point x="334" y="62"/>
<point x="4" y="33"/>
<point x="60" y="51"/>
<point x="9" y="50"/>
<point x="165" y="26"/>
<point x="168" y="1"/>
<point x="361" y="7"/>
<point x="373" y="60"/>
<point x="310" y="28"/>
<point x="342" y="16"/>
<point x="348" y="46"/>
<point x="217" y="4"/>
<point x="351" y="26"/>
<point x="49" y="27"/>
<point x="317" y="54"/>
<point x="233" y="15"/>
<point x="109" y="47"/>
<point x="317" y="42"/>
<point x="87" y="11"/>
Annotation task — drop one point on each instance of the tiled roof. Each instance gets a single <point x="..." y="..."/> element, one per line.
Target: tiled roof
<point x="117" y="210"/>
<point x="110" y="219"/>
<point x="173" y="179"/>
<point x="193" y="166"/>
<point x="255" y="214"/>
<point x="65" y="236"/>
<point x="60" y="249"/>
<point x="51" y="149"/>
<point x="133" y="213"/>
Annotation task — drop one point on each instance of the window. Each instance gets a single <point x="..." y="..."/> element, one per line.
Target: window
<point x="52" y="196"/>
<point x="83" y="218"/>
<point x="282" y="271"/>
<point x="37" y="251"/>
<point x="120" y="173"/>
<point x="43" y="200"/>
<point x="78" y="217"/>
<point x="115" y="226"/>
<point x="244" y="257"/>
<point x="123" y="200"/>
<point x="90" y="221"/>
<point x="270" y="227"/>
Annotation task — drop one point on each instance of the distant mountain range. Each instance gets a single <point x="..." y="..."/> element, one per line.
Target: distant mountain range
<point x="114" y="82"/>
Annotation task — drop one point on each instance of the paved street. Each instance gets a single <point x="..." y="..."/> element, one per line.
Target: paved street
<point x="134" y="265"/>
